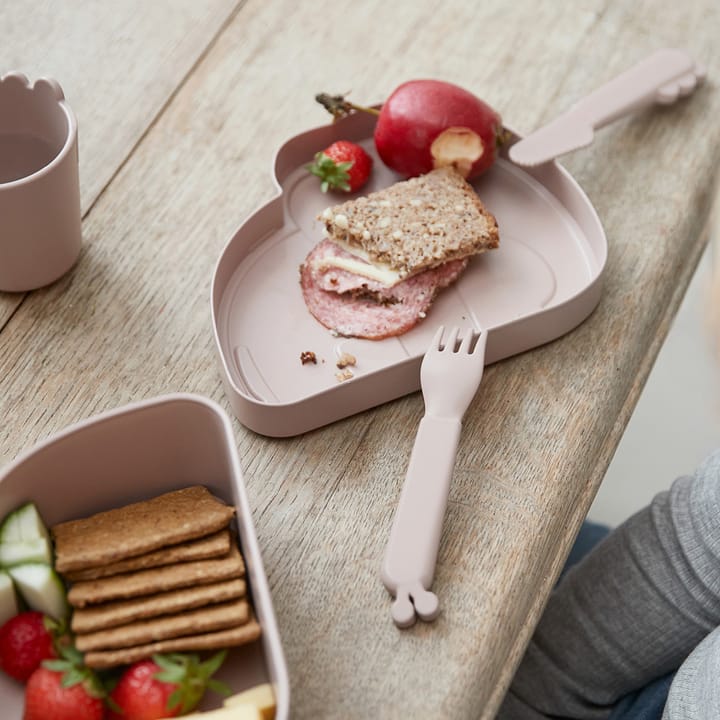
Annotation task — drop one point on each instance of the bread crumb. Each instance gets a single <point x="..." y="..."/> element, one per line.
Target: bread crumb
<point x="346" y="359"/>
<point x="308" y="356"/>
<point x="343" y="375"/>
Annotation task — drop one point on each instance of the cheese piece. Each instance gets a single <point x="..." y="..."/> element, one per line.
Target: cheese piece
<point x="236" y="712"/>
<point x="373" y="272"/>
<point x="261" y="696"/>
<point x="364" y="266"/>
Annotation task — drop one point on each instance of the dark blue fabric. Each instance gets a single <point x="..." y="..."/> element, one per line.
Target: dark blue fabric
<point x="648" y="702"/>
<point x="589" y="536"/>
<point x="645" y="704"/>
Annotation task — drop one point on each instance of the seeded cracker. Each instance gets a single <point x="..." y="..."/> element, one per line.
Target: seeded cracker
<point x="215" y="545"/>
<point x="416" y="224"/>
<point x="206" y="619"/>
<point x="155" y="580"/>
<point x="246" y="633"/>
<point x="139" y="528"/>
<point x="122" y="612"/>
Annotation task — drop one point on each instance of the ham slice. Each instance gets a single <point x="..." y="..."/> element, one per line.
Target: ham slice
<point x="355" y="306"/>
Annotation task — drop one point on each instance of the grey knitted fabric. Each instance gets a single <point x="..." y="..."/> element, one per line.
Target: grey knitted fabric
<point x="632" y="610"/>
<point x="695" y="691"/>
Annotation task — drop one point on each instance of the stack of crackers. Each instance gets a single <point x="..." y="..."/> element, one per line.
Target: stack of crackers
<point x="163" y="575"/>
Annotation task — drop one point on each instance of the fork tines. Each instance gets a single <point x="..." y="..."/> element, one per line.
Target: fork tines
<point x="455" y="342"/>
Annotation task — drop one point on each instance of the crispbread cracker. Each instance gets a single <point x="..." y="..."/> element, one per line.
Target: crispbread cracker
<point x="200" y="620"/>
<point x="214" y="545"/>
<point x="240" y="635"/>
<point x="415" y="224"/>
<point x="156" y="580"/>
<point x="121" y="612"/>
<point x="140" y="528"/>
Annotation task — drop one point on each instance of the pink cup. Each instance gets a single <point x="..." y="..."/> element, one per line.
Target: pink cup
<point x="40" y="219"/>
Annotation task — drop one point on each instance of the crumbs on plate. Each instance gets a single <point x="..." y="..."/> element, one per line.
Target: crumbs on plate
<point x="345" y="360"/>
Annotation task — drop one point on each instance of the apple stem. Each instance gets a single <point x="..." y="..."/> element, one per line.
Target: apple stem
<point x="502" y="137"/>
<point x="339" y="107"/>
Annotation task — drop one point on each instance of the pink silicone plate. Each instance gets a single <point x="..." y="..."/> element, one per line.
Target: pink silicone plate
<point x="134" y="453"/>
<point x="543" y="280"/>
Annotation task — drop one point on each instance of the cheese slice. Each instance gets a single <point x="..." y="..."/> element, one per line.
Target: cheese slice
<point x="245" y="711"/>
<point x="381" y="272"/>
<point x="260" y="696"/>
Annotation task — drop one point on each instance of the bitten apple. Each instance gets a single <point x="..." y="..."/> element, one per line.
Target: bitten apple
<point x="426" y="124"/>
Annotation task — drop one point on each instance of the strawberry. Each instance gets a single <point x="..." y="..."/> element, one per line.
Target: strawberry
<point x="342" y="166"/>
<point x="166" y="686"/>
<point x="25" y="641"/>
<point x="64" y="689"/>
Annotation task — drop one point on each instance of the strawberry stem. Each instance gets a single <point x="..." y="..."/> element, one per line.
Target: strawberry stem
<point x="339" y="107"/>
<point x="334" y="175"/>
<point x="191" y="676"/>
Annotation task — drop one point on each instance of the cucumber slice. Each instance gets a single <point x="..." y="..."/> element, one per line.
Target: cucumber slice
<point x="24" y="538"/>
<point x="25" y="551"/>
<point x="41" y="588"/>
<point x="22" y="525"/>
<point x="8" y="598"/>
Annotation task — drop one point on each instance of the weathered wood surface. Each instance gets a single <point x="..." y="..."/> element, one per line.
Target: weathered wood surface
<point x="132" y="320"/>
<point x="117" y="64"/>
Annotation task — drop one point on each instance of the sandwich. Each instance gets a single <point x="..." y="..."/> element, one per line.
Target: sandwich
<point x="385" y="256"/>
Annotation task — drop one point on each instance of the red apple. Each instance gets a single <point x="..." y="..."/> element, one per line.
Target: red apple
<point x="426" y="124"/>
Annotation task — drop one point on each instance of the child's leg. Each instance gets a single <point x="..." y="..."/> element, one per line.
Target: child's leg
<point x="695" y="692"/>
<point x="632" y="610"/>
<point x="589" y="536"/>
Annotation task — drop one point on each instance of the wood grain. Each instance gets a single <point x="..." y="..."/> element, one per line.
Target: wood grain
<point x="118" y="63"/>
<point x="133" y="320"/>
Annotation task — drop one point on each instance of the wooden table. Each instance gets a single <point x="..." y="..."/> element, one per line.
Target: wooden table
<point x="181" y="107"/>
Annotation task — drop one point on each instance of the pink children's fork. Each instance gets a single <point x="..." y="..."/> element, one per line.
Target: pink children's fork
<point x="450" y="374"/>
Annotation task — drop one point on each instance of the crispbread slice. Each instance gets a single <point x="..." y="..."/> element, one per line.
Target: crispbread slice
<point x="200" y="620"/>
<point x="138" y="528"/>
<point x="232" y="637"/>
<point x="156" y="580"/>
<point x="415" y="224"/>
<point x="121" y="612"/>
<point x="215" y="545"/>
